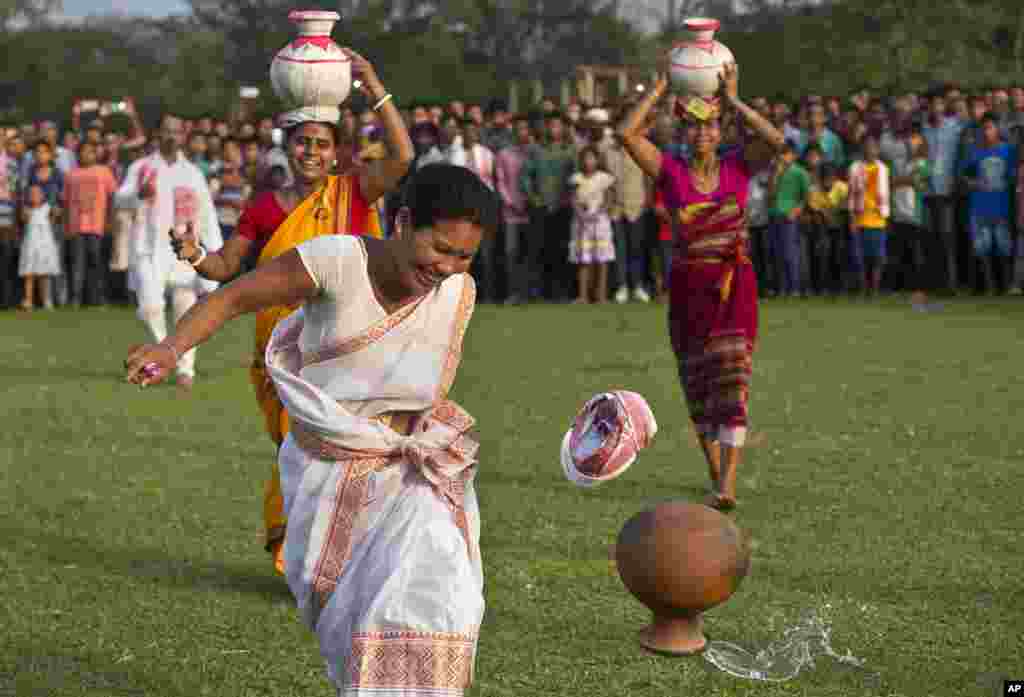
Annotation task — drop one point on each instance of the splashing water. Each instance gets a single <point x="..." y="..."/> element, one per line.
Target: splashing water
<point x="810" y="638"/>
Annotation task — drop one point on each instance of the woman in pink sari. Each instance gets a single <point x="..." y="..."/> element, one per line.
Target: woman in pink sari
<point x="713" y="301"/>
<point x="382" y="552"/>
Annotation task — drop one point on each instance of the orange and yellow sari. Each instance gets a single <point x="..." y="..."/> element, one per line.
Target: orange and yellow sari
<point x="337" y="208"/>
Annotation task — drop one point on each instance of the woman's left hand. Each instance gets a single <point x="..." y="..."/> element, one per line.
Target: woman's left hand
<point x="363" y="71"/>
<point x="729" y="80"/>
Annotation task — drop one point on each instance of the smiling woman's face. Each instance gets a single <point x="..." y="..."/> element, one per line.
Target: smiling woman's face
<point x="703" y="137"/>
<point x="312" y="151"/>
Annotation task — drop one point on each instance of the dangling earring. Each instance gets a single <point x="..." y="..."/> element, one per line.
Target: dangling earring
<point x="403" y="219"/>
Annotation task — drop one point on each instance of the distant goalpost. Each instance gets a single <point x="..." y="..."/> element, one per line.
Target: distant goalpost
<point x="588" y="84"/>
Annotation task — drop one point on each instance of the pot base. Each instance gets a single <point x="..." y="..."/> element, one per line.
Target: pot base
<point x="675" y="636"/>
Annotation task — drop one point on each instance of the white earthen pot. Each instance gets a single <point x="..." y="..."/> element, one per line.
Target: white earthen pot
<point x="312" y="71"/>
<point x="697" y="59"/>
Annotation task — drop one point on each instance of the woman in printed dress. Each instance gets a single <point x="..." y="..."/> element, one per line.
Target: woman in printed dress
<point x="382" y="552"/>
<point x="713" y="298"/>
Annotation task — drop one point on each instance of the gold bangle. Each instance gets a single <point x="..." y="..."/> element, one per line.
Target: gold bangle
<point x="383" y="100"/>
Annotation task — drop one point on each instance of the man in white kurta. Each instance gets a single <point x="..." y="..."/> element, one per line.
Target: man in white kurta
<point x="158" y="184"/>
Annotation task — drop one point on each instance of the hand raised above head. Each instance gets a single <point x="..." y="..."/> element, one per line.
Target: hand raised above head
<point x="664" y="66"/>
<point x="363" y="71"/>
<point x="729" y="80"/>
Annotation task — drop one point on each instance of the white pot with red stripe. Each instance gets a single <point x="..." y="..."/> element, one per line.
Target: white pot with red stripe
<point x="312" y="70"/>
<point x="697" y="59"/>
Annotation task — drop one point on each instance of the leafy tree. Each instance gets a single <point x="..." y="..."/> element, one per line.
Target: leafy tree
<point x="15" y="13"/>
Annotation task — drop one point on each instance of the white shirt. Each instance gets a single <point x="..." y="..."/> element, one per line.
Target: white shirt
<point x="480" y="160"/>
<point x="151" y="229"/>
<point x="590" y="191"/>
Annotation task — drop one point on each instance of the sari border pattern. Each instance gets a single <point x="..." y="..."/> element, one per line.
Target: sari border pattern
<point x="430" y="662"/>
<point x="361" y="341"/>
<point x="467" y="302"/>
<point x="351" y="490"/>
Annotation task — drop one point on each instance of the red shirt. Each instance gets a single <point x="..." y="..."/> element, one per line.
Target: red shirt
<point x="87" y="191"/>
<point x="263" y="215"/>
<point x="260" y="220"/>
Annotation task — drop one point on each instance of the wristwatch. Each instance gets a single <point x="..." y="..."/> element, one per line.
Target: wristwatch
<point x="198" y="259"/>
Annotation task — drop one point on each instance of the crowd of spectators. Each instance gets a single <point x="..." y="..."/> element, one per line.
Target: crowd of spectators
<point x="873" y="194"/>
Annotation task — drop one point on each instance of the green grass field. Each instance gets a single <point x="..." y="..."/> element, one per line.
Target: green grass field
<point x="884" y="490"/>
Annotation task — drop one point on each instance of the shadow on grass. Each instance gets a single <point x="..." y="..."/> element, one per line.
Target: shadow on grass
<point x="44" y="671"/>
<point x="113" y="373"/>
<point x="155" y="564"/>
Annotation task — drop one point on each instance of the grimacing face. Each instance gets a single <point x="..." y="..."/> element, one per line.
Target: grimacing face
<point x="431" y="255"/>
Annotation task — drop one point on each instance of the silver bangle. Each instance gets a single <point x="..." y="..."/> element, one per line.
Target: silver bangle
<point x="383" y="100"/>
<point x="202" y="255"/>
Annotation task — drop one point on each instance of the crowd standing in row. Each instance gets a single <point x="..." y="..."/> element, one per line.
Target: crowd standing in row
<point x="871" y="194"/>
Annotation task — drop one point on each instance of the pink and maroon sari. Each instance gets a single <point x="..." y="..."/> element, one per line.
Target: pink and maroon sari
<point x="713" y="301"/>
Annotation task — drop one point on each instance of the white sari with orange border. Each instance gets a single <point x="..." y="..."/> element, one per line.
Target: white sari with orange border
<point x="382" y="552"/>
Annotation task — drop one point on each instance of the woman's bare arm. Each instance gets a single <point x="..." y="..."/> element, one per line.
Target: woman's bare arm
<point x="226" y="263"/>
<point x="643" y="151"/>
<point x="769" y="141"/>
<point x="382" y="176"/>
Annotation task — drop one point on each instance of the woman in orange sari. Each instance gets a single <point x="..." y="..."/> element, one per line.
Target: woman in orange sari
<point x="713" y="300"/>
<point x="318" y="203"/>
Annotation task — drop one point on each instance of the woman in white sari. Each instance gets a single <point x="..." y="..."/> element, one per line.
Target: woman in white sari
<point x="383" y="548"/>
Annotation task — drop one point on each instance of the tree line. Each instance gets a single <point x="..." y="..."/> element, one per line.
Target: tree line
<point x="432" y="50"/>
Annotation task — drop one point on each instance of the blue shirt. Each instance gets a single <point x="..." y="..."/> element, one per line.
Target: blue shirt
<point x="993" y="168"/>
<point x="943" y="143"/>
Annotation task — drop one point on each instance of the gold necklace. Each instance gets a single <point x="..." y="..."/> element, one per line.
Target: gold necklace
<point x="706" y="183"/>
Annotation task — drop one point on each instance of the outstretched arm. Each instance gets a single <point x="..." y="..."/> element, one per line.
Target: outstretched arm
<point x="283" y="281"/>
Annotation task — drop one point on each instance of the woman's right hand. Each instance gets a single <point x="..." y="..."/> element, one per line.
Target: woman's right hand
<point x="185" y="245"/>
<point x="664" y="66"/>
<point x="150" y="364"/>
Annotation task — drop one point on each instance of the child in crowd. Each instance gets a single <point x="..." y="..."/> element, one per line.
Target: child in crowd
<point x="592" y="244"/>
<point x="814" y="250"/>
<point x="40" y="254"/>
<point x="910" y="183"/>
<point x="869" y="206"/>
<point x="88" y="191"/>
<point x="47" y="176"/>
<point x="759" y="221"/>
<point x="830" y="205"/>
<point x="989" y="171"/>
<point x="229" y="189"/>
<point x="790" y="187"/>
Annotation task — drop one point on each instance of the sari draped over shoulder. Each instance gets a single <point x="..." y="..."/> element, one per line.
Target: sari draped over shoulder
<point x="337" y="208"/>
<point x="382" y="552"/>
<point x="713" y="302"/>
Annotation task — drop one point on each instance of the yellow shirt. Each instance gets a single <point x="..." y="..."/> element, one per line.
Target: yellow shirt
<point x="872" y="216"/>
<point x="838" y="193"/>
